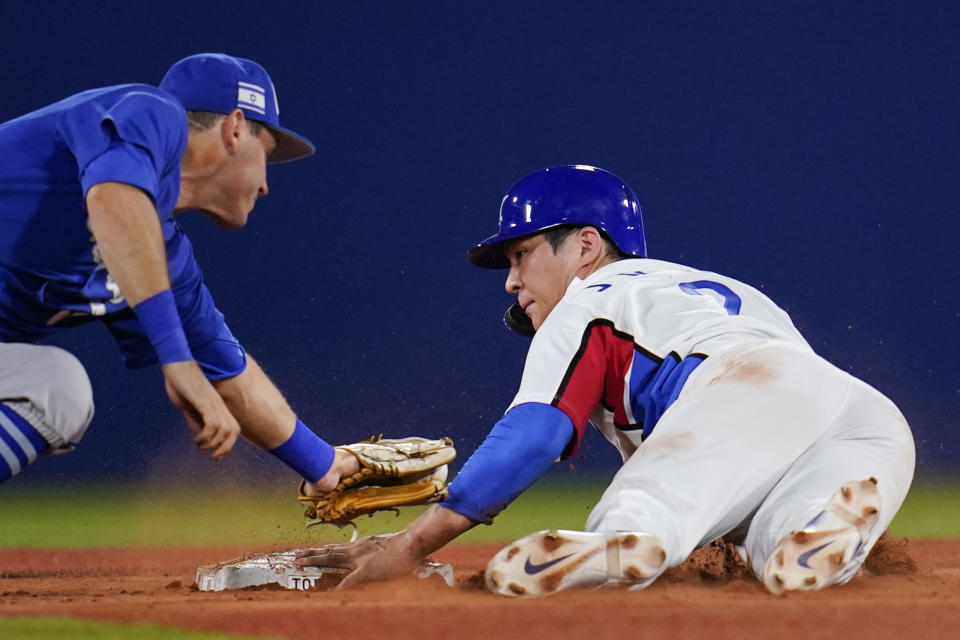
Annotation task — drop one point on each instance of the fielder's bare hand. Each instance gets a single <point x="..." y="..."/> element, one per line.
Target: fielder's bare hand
<point x="213" y="425"/>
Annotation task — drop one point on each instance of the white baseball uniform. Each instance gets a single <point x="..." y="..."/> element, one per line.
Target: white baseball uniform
<point x="728" y="423"/>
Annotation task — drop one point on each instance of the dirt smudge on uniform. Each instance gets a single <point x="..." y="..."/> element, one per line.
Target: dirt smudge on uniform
<point x="749" y="372"/>
<point x="670" y="441"/>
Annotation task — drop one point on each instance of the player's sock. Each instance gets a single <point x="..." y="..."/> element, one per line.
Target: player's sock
<point x="306" y="453"/>
<point x="20" y="443"/>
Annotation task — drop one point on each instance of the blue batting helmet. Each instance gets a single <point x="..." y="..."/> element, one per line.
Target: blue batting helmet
<point x="573" y="194"/>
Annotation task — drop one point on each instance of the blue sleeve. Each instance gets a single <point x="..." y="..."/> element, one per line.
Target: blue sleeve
<point x="136" y="140"/>
<point x="125" y="163"/>
<point x="517" y="451"/>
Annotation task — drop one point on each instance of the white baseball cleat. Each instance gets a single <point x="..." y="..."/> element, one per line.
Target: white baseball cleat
<point x="830" y="548"/>
<point x="553" y="560"/>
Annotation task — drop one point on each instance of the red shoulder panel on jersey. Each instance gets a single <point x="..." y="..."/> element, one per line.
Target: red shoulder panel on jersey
<point x="596" y="375"/>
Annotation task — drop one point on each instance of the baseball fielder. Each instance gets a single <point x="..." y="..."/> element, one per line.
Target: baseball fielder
<point x="727" y="421"/>
<point x="89" y="187"/>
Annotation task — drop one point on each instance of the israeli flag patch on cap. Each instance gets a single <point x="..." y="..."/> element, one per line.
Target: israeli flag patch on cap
<point x="251" y="96"/>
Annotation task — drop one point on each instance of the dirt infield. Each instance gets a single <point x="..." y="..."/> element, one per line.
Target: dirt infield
<point x="907" y="590"/>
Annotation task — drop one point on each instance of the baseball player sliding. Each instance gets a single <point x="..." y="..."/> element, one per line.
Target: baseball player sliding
<point x="88" y="190"/>
<point x="727" y="421"/>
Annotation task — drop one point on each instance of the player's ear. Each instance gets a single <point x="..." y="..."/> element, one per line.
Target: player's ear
<point x="231" y="128"/>
<point x="591" y="244"/>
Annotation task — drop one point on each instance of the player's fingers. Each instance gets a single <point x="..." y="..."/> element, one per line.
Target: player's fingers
<point x="208" y="427"/>
<point x="219" y="425"/>
<point x="226" y="446"/>
<point x="205" y="435"/>
<point x="352" y="579"/>
<point x="190" y="415"/>
<point x="355" y="549"/>
<point x="224" y="427"/>
<point x="193" y="421"/>
<point x="332" y="559"/>
<point x="215" y="442"/>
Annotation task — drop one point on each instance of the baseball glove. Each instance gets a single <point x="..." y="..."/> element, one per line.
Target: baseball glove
<point x="393" y="473"/>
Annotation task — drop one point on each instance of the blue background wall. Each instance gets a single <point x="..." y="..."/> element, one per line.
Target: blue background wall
<point x="806" y="148"/>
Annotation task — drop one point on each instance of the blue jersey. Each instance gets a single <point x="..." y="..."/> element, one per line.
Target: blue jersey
<point x="51" y="273"/>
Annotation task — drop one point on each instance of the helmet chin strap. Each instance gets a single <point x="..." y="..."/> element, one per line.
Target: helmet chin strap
<point x="517" y="320"/>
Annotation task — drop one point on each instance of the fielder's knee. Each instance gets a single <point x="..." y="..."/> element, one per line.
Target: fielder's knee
<point x="52" y="392"/>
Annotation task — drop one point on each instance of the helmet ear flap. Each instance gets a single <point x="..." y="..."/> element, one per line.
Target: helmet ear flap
<point x="517" y="320"/>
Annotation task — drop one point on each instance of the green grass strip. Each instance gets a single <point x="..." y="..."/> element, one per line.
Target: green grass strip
<point x="36" y="628"/>
<point x="121" y="516"/>
<point x="931" y="510"/>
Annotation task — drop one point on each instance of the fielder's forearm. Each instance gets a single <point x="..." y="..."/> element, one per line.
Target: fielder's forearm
<point x="264" y="415"/>
<point x="267" y="421"/>
<point x="129" y="239"/>
<point x="127" y="230"/>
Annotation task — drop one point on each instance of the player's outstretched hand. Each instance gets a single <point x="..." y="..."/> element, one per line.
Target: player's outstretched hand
<point x="395" y="555"/>
<point x="371" y="559"/>
<point x="212" y="424"/>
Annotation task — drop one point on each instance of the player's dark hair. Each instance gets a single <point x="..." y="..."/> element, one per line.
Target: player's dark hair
<point x="555" y="237"/>
<point x="203" y="120"/>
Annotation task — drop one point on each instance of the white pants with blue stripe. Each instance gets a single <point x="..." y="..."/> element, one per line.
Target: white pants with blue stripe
<point x="756" y="444"/>
<point x="47" y="387"/>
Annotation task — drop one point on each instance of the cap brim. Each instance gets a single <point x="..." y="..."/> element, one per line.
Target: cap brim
<point x="290" y="146"/>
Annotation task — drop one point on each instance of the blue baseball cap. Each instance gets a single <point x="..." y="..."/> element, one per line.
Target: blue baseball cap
<point x="220" y="83"/>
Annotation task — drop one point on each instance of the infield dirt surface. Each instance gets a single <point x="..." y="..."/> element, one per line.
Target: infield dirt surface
<point x="907" y="590"/>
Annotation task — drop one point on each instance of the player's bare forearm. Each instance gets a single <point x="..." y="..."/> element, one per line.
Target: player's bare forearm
<point x="434" y="529"/>
<point x="265" y="418"/>
<point x="125" y="225"/>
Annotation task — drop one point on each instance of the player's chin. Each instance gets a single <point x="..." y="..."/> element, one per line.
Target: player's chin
<point x="237" y="221"/>
<point x="536" y="319"/>
<point x="539" y="313"/>
<point x="233" y="219"/>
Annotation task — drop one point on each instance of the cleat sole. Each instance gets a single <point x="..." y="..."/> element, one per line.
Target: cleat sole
<point x="829" y="549"/>
<point x="549" y="561"/>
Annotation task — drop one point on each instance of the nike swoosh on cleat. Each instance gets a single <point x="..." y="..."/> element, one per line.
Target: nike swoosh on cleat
<point x="802" y="560"/>
<point x="532" y="569"/>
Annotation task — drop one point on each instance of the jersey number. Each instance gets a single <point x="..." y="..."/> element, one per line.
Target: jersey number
<point x="731" y="301"/>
